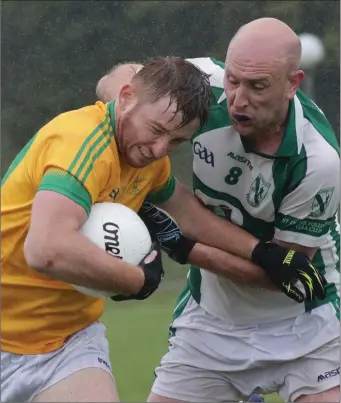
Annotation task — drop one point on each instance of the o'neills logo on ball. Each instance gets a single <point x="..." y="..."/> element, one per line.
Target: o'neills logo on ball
<point x="112" y="239"/>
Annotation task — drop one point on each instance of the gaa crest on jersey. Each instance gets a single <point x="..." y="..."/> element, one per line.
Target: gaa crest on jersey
<point x="258" y="190"/>
<point x="321" y="202"/>
<point x="203" y="153"/>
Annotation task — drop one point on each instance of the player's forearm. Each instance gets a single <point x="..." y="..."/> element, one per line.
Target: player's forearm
<point x="240" y="271"/>
<point x="72" y="258"/>
<point x="198" y="223"/>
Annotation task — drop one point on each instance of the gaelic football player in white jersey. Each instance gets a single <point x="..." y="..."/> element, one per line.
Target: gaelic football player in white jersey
<point x="267" y="161"/>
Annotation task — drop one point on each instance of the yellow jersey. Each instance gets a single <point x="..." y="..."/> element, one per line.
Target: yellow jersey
<point x="76" y="155"/>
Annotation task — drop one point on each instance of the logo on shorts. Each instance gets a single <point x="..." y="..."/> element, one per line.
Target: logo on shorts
<point x="101" y="361"/>
<point x="328" y="374"/>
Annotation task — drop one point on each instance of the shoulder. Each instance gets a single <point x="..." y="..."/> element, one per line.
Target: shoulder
<point x="216" y="70"/>
<point x="318" y="134"/>
<point x="320" y="144"/>
<point x="82" y="120"/>
<point x="218" y="117"/>
<point x="76" y="128"/>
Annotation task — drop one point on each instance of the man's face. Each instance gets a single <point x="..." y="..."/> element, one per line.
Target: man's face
<point x="257" y="93"/>
<point x="148" y="131"/>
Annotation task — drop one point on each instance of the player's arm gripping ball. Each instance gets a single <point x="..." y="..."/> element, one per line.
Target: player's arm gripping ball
<point x="286" y="266"/>
<point x="152" y="267"/>
<point x="166" y="232"/>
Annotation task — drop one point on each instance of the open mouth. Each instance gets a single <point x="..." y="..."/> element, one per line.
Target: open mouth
<point x="241" y="118"/>
<point x="144" y="154"/>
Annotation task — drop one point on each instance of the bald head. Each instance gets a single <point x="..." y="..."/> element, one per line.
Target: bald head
<point x="267" y="40"/>
<point x="262" y="76"/>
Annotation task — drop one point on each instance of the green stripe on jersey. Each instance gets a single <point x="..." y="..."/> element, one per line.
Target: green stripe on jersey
<point x="194" y="283"/>
<point x="91" y="155"/>
<point x="85" y="143"/>
<point x="163" y="193"/>
<point x="333" y="294"/>
<point x="218" y="116"/>
<point x="17" y="160"/>
<point x="94" y="158"/>
<point x="317" y="118"/>
<point x="64" y="183"/>
<point x="307" y="226"/>
<point x="180" y="305"/>
<point x="255" y="226"/>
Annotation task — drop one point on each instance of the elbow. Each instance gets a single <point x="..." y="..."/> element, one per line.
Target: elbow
<point x="39" y="256"/>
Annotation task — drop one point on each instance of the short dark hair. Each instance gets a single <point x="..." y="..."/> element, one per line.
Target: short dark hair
<point x="182" y="81"/>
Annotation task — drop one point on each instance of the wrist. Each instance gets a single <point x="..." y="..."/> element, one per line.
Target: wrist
<point x="181" y="249"/>
<point x="195" y="255"/>
<point x="134" y="282"/>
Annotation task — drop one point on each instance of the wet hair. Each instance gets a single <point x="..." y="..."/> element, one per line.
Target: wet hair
<point x="185" y="84"/>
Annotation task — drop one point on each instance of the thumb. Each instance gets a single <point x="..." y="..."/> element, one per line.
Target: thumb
<point x="151" y="255"/>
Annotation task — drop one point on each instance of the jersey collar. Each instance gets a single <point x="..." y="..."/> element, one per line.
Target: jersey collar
<point x="293" y="135"/>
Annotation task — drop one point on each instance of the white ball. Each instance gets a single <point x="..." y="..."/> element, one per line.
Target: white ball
<point x="119" y="231"/>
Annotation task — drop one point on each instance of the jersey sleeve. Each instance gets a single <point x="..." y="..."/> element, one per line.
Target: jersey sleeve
<point x="164" y="184"/>
<point x="307" y="213"/>
<point x="74" y="164"/>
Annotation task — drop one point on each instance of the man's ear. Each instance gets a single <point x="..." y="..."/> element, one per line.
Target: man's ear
<point x="296" y="78"/>
<point x="127" y="98"/>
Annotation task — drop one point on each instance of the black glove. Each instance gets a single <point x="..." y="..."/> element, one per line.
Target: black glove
<point x="286" y="266"/>
<point x="153" y="272"/>
<point x="165" y="230"/>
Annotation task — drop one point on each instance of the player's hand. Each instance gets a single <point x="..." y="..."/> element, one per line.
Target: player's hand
<point x="166" y="232"/>
<point x="286" y="266"/>
<point x="153" y="271"/>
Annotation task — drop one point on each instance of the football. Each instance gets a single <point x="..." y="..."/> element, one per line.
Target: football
<point x="119" y="231"/>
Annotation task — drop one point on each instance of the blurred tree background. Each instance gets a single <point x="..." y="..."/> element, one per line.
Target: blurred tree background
<point x="54" y="52"/>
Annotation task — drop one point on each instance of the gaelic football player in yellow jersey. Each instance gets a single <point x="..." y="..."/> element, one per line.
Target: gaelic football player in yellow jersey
<point x="52" y="346"/>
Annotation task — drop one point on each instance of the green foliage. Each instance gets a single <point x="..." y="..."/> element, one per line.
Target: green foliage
<point x="54" y="52"/>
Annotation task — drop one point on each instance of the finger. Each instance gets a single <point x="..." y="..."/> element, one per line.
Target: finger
<point x="308" y="284"/>
<point x="313" y="286"/>
<point x="317" y="275"/>
<point x="292" y="292"/>
<point x="150" y="257"/>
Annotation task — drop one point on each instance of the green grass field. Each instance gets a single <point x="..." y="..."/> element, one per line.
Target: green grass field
<point x="137" y="332"/>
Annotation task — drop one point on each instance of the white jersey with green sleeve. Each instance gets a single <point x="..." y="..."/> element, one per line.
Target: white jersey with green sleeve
<point x="292" y="196"/>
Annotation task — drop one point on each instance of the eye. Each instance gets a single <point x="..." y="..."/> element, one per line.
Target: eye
<point x="156" y="130"/>
<point x="258" y="86"/>
<point x="178" y="141"/>
<point x="232" y="80"/>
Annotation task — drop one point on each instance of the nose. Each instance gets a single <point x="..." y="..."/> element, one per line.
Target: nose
<point x="160" y="147"/>
<point x="240" y="98"/>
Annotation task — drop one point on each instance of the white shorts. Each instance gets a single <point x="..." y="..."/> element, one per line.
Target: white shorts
<point x="23" y="377"/>
<point x="212" y="361"/>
